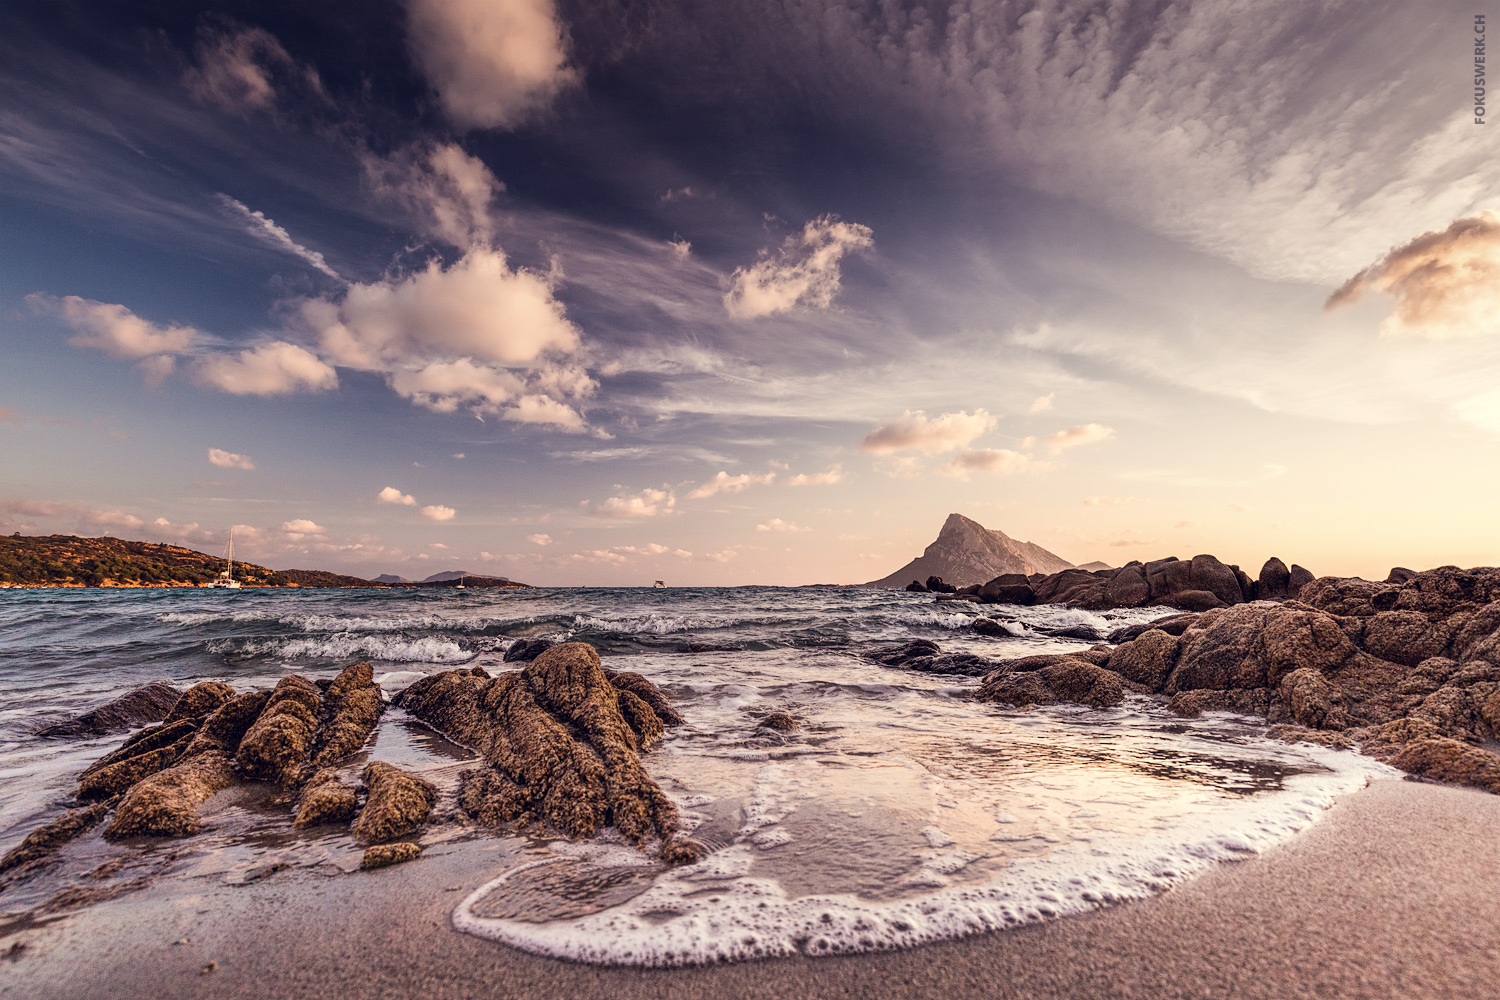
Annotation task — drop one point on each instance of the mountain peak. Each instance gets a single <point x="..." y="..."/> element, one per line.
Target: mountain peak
<point x="966" y="552"/>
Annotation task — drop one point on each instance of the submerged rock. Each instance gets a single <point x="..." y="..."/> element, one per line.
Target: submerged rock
<point x="779" y="721"/>
<point x="135" y="708"/>
<point x="397" y="804"/>
<point x="559" y="745"/>
<point x="526" y="650"/>
<point x="41" y="844"/>
<point x="1061" y="679"/>
<point x="926" y="656"/>
<point x="166" y="803"/>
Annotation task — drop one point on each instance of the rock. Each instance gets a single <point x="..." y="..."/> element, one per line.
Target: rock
<point x="158" y="746"/>
<point x="1297" y="578"/>
<point x="970" y="591"/>
<point x="1170" y="624"/>
<point x="936" y="585"/>
<point x="1069" y="679"/>
<point x="1311" y="699"/>
<point x="397" y="804"/>
<point x="1128" y="588"/>
<point x="199" y="701"/>
<point x="325" y="799"/>
<point x="384" y="855"/>
<point x="166" y="804"/>
<point x="779" y="721"/>
<point x="1207" y="573"/>
<point x="1008" y="588"/>
<point x="526" y="650"/>
<point x="1299" y="734"/>
<point x="41" y="844"/>
<point x="136" y="708"/>
<point x="649" y="693"/>
<point x="924" y="655"/>
<point x="1274" y="583"/>
<point x="1400" y="574"/>
<point x="1342" y="596"/>
<point x="1087" y="633"/>
<point x="966" y="598"/>
<point x="993" y="629"/>
<point x="1148" y="660"/>
<point x="1249" y="589"/>
<point x="1405" y="637"/>
<point x="898" y="654"/>
<point x="915" y="587"/>
<point x="226" y="727"/>
<point x="1191" y="600"/>
<point x="1449" y="760"/>
<point x="350" y="708"/>
<point x="1191" y="704"/>
<point x="278" y="744"/>
<point x="560" y="748"/>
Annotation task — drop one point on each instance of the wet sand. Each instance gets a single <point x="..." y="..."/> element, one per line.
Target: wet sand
<point x="1395" y="892"/>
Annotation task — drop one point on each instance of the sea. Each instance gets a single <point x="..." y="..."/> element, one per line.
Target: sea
<point x="899" y="811"/>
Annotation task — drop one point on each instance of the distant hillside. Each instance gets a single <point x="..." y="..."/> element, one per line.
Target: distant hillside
<point x="455" y="574"/>
<point x="71" y="561"/>
<point x="471" y="581"/>
<point x="966" y="552"/>
<point x="392" y="578"/>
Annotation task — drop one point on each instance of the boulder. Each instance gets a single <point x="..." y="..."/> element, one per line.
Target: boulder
<point x="1128" y="588"/>
<point x="1148" y="660"/>
<point x="993" y="629"/>
<point x="1311" y="699"/>
<point x="526" y="650"/>
<point x="1275" y="579"/>
<point x="936" y="585"/>
<point x="166" y="803"/>
<point x="915" y="587"/>
<point x="326" y="799"/>
<point x="351" y="706"/>
<point x="1068" y="679"/>
<point x="385" y="855"/>
<point x="779" y="721"/>
<point x="397" y="803"/>
<point x="1008" y="588"/>
<point x="1207" y="573"/>
<point x="199" y="701"/>
<point x="1406" y="637"/>
<point x="1297" y="578"/>
<point x="1191" y="600"/>
<point x="277" y="745"/>
<point x="135" y="708"/>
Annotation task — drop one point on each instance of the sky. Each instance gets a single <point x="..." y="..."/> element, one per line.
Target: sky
<point x="750" y="292"/>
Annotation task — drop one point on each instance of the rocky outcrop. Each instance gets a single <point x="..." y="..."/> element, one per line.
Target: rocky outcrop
<point x="966" y="553"/>
<point x="326" y="799"/>
<point x="1408" y="668"/>
<point x="526" y="650"/>
<point x="1198" y="584"/>
<point x="385" y="855"/>
<point x="925" y="656"/>
<point x="561" y="745"/>
<point x="397" y="803"/>
<point x="1048" y="680"/>
<point x="41" y="844"/>
<point x="135" y="708"/>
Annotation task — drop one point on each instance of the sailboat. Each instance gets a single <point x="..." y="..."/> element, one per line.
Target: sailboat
<point x="225" y="580"/>
<point x="460" y="584"/>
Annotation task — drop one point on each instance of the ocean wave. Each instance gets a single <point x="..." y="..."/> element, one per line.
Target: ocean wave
<point x="347" y="646"/>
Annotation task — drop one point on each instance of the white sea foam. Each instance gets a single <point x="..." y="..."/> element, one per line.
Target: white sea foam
<point x="372" y="646"/>
<point x="654" y="624"/>
<point x="717" y="910"/>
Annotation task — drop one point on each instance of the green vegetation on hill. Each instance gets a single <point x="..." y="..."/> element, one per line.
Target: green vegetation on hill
<point x="68" y="560"/>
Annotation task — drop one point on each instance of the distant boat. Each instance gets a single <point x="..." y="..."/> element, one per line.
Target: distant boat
<point x="225" y="580"/>
<point x="460" y="584"/>
<point x="659" y="583"/>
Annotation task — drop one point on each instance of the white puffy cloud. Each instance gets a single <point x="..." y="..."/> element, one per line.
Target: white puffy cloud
<point x="268" y="232"/>
<point x="835" y="474"/>
<point x="1042" y="403"/>
<point x="450" y="190"/>
<point x="647" y="503"/>
<point x="804" y="272"/>
<point x="437" y="512"/>
<point x="537" y="408"/>
<point x="445" y="385"/>
<point x="1072" y="437"/>
<point x="392" y="495"/>
<point x="271" y="369"/>
<point x="999" y="461"/>
<point x="115" y="329"/>
<point x="540" y="539"/>
<point x="229" y="460"/>
<point x="82" y="515"/>
<point x="493" y="63"/>
<point x="723" y="482"/>
<point x="479" y="308"/>
<point x="1444" y="284"/>
<point x="777" y="524"/>
<point x="299" y="528"/>
<point x="916" y="432"/>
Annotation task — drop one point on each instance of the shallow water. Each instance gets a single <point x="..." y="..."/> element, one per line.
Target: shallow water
<point x="899" y="811"/>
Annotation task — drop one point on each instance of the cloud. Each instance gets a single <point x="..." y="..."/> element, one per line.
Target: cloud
<point x="777" y="524"/>
<point x="681" y="248"/>
<point x="1482" y="410"/>
<point x="78" y="514"/>
<point x="300" y="528"/>
<point x="237" y="70"/>
<point x="449" y="189"/>
<point x="392" y="495"/>
<point x="804" y="272"/>
<point x="835" y="474"/>
<point x="493" y="63"/>
<point x="437" y="512"/>
<point x="539" y="539"/>
<point x="269" y="232"/>
<point x="1444" y="284"/>
<point x="1042" y="403"/>
<point x="1082" y="434"/>
<point x="999" y="461"/>
<point x="229" y="460"/>
<point x="113" y="328"/>
<point x="915" y="432"/>
<point x="271" y="369"/>
<point x="647" y="503"/>
<point x="721" y="556"/>
<point x="1108" y="501"/>
<point x="723" y="482"/>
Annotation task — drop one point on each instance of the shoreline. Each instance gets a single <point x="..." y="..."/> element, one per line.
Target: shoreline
<point x="1389" y="893"/>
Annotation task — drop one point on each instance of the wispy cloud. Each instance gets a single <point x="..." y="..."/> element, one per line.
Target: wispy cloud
<point x="723" y="482"/>
<point x="805" y="271"/>
<point x="916" y="432"/>
<point x="268" y="232"/>
<point x="114" y="329"/>
<point x="1073" y="437"/>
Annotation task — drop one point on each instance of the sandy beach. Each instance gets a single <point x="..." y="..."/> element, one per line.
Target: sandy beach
<point x="1390" y="894"/>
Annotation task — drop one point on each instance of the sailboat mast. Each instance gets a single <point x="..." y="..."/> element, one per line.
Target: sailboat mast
<point x="231" y="554"/>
